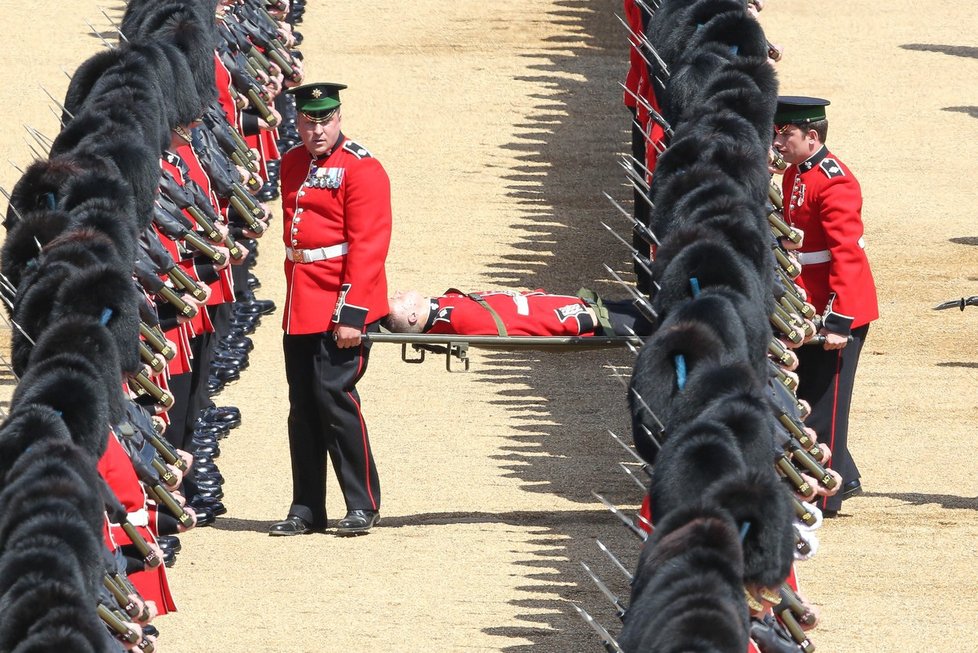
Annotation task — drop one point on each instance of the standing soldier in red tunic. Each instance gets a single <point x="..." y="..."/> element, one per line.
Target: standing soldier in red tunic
<point x="823" y="199"/>
<point x="337" y="226"/>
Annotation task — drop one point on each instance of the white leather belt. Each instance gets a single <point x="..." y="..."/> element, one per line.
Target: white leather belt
<point x="139" y="518"/>
<point x="822" y="255"/>
<point x="318" y="254"/>
<point x="811" y="258"/>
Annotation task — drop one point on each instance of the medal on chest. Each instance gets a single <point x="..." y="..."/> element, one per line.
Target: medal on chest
<point x="321" y="178"/>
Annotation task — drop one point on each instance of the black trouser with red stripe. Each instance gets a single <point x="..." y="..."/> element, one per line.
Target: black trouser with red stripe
<point x="826" y="382"/>
<point x="325" y="420"/>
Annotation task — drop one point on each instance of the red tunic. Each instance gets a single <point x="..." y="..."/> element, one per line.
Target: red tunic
<point x="823" y="198"/>
<point x="637" y="79"/>
<point x="224" y="97"/>
<point x="530" y="313"/>
<point x="116" y="468"/>
<point x="348" y="289"/>
<point x="222" y="290"/>
<point x="638" y="83"/>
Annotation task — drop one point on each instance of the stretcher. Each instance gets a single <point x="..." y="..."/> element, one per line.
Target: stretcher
<point x="455" y="346"/>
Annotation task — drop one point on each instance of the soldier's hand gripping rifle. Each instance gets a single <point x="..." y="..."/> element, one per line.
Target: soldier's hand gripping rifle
<point x="250" y="38"/>
<point x="144" y="386"/>
<point x="184" y="197"/>
<point x="788" y="295"/>
<point x="152" y="247"/>
<point x="223" y="176"/>
<point x="120" y="593"/>
<point x="775" y="217"/>
<point x="245" y="83"/>
<point x="175" y="226"/>
<point x="787" y="262"/>
<point x="141" y="422"/>
<point x="149" y="279"/>
<point x="116" y="621"/>
<point x="811" y="465"/>
<point x="231" y="142"/>
<point x="262" y="27"/>
<point x="117" y="514"/>
<point x="780" y="353"/>
<point x="156" y="341"/>
<point x="141" y="447"/>
<point x="147" y="464"/>
<point x="203" y="202"/>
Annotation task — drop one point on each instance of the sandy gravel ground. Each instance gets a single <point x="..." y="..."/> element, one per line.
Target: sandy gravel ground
<point x="500" y="125"/>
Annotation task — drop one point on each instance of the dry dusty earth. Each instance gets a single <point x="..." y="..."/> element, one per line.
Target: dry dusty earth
<point x="500" y="124"/>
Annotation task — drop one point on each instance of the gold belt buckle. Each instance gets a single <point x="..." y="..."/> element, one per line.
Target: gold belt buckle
<point x="297" y="256"/>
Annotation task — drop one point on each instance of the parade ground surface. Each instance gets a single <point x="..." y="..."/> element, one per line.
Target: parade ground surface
<point x="501" y="125"/>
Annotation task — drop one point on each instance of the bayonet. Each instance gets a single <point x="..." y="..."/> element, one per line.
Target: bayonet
<point x="958" y="303"/>
<point x="628" y="470"/>
<point x="628" y="522"/>
<point x="609" y="642"/>
<point x="611" y="596"/>
<point x="614" y="559"/>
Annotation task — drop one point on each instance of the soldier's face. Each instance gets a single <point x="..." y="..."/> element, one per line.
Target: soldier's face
<point x="319" y="137"/>
<point x="794" y="143"/>
<point x="407" y="307"/>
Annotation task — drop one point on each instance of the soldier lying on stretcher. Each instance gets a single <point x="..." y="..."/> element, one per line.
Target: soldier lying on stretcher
<point x="514" y="313"/>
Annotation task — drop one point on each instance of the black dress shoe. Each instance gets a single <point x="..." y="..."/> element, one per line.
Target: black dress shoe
<point x="255" y="307"/>
<point x="268" y="193"/>
<point x="851" y="489"/>
<point x="171" y="542"/>
<point x="208" y="481"/>
<point x="214" y="386"/>
<point x="223" y="360"/>
<point x="169" y="559"/>
<point x="203" y="499"/>
<point x="214" y="429"/>
<point x="210" y="431"/>
<point x="215" y="507"/>
<point x="237" y="332"/>
<point x="208" y="493"/>
<point x="291" y="525"/>
<point x="242" y="343"/>
<point x="210" y="450"/>
<point x="204" y="517"/>
<point x="225" y="374"/>
<point x="357" y="522"/>
<point x="254" y="283"/>
<point x="206" y="466"/>
<point x="221" y="413"/>
<point x="202" y="458"/>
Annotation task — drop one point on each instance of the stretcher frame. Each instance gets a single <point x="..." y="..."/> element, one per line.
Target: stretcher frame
<point x="457" y="346"/>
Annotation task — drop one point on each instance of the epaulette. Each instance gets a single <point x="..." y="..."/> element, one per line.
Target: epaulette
<point x="831" y="168"/>
<point x="357" y="150"/>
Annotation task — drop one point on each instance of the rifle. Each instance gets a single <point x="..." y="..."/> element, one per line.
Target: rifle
<point x="157" y="341"/>
<point x="142" y="385"/>
<point x="175" y="226"/>
<point x="158" y="254"/>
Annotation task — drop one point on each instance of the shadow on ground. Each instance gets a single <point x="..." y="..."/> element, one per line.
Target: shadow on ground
<point x="571" y="145"/>
<point x="966" y="51"/>
<point x="946" y="501"/>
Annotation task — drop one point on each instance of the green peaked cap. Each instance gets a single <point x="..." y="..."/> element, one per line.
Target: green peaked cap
<point x="799" y="110"/>
<point x="315" y="98"/>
